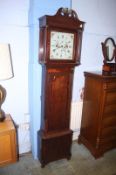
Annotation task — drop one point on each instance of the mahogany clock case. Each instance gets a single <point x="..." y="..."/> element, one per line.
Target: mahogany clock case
<point x="55" y="135"/>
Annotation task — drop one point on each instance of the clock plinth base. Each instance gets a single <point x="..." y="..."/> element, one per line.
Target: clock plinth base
<point x="54" y="146"/>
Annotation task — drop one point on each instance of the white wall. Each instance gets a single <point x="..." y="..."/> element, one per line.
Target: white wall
<point x="14" y="30"/>
<point x="100" y="18"/>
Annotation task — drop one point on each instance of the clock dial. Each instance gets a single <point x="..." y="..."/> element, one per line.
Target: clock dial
<point x="61" y="45"/>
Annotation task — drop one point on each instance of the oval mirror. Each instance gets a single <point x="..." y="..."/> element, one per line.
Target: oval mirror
<point x="110" y="48"/>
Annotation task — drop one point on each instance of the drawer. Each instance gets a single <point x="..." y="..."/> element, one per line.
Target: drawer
<point x="107" y="140"/>
<point x="110" y="109"/>
<point x="110" y="98"/>
<point x="108" y="144"/>
<point x="109" y="121"/>
<point x="109" y="132"/>
<point x="110" y="85"/>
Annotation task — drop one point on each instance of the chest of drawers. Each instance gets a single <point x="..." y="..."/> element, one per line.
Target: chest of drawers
<point x="98" y="125"/>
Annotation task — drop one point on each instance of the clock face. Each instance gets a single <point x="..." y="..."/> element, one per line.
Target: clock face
<point x="61" y="45"/>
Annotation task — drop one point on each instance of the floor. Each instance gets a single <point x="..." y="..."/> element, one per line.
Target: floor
<point x="81" y="163"/>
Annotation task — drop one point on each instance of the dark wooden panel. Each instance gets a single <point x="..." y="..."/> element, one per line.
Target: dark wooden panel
<point x="58" y="95"/>
<point x="54" y="146"/>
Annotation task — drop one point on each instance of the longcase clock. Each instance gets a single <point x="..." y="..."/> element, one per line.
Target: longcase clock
<point x="59" y="52"/>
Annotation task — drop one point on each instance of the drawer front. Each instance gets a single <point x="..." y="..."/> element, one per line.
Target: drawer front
<point x="110" y="110"/>
<point x="109" y="121"/>
<point x="108" y="144"/>
<point x="109" y="132"/>
<point x="110" y="85"/>
<point x="110" y="98"/>
<point x="107" y="140"/>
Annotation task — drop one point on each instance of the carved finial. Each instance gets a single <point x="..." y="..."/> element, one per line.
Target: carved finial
<point x="67" y="12"/>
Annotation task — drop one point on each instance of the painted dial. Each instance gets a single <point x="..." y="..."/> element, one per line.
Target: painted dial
<point x="61" y="45"/>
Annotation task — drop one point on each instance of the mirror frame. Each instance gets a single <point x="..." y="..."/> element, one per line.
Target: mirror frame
<point x="104" y="50"/>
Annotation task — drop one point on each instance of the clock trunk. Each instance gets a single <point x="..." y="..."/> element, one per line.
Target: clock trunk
<point x="55" y="114"/>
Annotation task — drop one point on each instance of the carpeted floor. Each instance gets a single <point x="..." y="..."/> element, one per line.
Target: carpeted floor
<point x="81" y="163"/>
